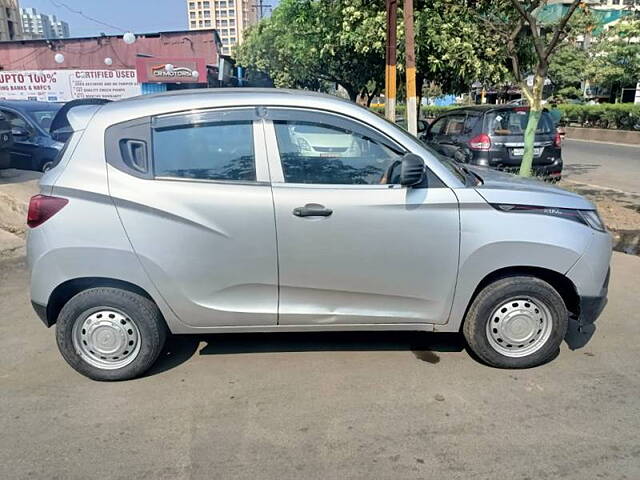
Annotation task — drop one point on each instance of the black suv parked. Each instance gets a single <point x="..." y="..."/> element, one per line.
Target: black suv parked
<point x="493" y="136"/>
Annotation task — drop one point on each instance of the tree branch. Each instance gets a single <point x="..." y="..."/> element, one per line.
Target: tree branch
<point x="527" y="14"/>
<point x="559" y="29"/>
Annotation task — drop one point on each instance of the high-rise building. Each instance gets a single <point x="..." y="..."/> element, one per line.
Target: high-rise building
<point x="41" y="25"/>
<point x="618" y="4"/>
<point x="10" y="25"/>
<point x="229" y="17"/>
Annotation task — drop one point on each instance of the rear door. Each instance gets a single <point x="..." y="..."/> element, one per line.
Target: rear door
<point x="193" y="193"/>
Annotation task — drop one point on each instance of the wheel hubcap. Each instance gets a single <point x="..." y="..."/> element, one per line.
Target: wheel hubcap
<point x="106" y="339"/>
<point x="519" y="327"/>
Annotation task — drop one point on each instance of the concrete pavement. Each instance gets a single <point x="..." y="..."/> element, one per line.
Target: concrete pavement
<point x="319" y="406"/>
<point x="602" y="164"/>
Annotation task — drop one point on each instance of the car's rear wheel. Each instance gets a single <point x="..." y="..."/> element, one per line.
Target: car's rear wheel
<point x="516" y="322"/>
<point x="110" y="334"/>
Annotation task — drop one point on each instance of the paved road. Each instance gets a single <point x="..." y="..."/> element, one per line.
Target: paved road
<point x="319" y="406"/>
<point x="605" y="165"/>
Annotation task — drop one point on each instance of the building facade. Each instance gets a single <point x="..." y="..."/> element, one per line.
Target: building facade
<point x="40" y="25"/>
<point x="10" y="24"/>
<point x="618" y="4"/>
<point x="229" y="17"/>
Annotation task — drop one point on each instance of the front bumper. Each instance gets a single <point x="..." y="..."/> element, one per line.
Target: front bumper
<point x="592" y="306"/>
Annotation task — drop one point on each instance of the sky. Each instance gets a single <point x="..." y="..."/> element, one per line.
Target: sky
<point x="138" y="16"/>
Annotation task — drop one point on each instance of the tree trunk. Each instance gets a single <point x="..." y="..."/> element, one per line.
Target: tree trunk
<point x="534" y="96"/>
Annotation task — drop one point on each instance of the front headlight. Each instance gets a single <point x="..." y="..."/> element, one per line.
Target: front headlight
<point x="592" y="218"/>
<point x="589" y="218"/>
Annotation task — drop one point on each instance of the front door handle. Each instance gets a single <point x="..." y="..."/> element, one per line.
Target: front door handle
<point x="312" y="210"/>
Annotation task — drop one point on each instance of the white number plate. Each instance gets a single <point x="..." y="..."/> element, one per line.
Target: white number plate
<point x="518" y="152"/>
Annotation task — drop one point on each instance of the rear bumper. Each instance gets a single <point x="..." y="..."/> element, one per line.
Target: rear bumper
<point x="498" y="162"/>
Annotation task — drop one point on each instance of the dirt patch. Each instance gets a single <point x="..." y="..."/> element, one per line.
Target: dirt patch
<point x="16" y="187"/>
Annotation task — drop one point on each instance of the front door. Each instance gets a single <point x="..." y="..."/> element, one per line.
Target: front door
<point x="355" y="247"/>
<point x="193" y="194"/>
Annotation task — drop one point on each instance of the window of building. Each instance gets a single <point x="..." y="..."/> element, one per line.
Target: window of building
<point x="206" y="5"/>
<point x="232" y="40"/>
<point x="207" y="23"/>
<point x="192" y="14"/>
<point x="215" y="151"/>
<point x="207" y="14"/>
<point x="199" y="23"/>
<point x="193" y="24"/>
<point x="192" y="5"/>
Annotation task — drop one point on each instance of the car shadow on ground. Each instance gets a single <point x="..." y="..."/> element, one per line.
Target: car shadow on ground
<point x="572" y="169"/>
<point x="425" y="346"/>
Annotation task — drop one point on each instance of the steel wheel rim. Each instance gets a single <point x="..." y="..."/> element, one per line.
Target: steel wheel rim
<point x="519" y="327"/>
<point x="106" y="338"/>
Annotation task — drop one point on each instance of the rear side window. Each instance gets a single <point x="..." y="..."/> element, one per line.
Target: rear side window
<point x="209" y="151"/>
<point x="514" y="122"/>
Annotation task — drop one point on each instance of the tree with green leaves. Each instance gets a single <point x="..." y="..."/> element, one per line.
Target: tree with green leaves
<point x="616" y="57"/>
<point x="315" y="43"/>
<point x="530" y="45"/>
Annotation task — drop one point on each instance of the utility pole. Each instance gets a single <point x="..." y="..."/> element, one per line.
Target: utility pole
<point x="260" y="8"/>
<point x="390" y="69"/>
<point x="412" y="105"/>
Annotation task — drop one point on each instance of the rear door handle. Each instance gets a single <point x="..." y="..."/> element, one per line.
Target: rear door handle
<point x="312" y="210"/>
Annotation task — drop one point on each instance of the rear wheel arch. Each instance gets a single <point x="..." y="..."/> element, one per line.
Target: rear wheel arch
<point x="562" y="284"/>
<point x="67" y="290"/>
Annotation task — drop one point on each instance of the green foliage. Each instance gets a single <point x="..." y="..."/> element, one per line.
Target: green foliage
<point x="426" y="111"/>
<point x="454" y="48"/>
<point x="623" y="116"/>
<point x="314" y="43"/>
<point x="616" y="56"/>
<point x="567" y="68"/>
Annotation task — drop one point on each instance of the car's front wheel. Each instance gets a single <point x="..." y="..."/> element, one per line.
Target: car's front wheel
<point x="516" y="322"/>
<point x="110" y="334"/>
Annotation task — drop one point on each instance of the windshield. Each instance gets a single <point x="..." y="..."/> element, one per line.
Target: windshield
<point x="464" y="175"/>
<point x="514" y="122"/>
<point x="44" y="117"/>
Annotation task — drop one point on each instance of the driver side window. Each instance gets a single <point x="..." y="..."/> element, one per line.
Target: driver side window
<point x="320" y="153"/>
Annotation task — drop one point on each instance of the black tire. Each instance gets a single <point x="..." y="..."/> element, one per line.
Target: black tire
<point x="504" y="290"/>
<point x="141" y="310"/>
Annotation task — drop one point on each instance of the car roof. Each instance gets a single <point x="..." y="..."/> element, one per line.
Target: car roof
<point x="480" y="109"/>
<point x="30" y="105"/>
<point x="203" y="98"/>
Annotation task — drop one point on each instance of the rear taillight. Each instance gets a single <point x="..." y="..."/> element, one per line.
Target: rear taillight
<point x="482" y="143"/>
<point x="557" y="140"/>
<point x="42" y="208"/>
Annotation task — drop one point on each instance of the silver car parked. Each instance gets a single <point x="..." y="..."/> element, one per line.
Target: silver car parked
<point x="271" y="210"/>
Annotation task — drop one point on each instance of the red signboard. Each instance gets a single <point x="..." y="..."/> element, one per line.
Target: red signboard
<point x="171" y="70"/>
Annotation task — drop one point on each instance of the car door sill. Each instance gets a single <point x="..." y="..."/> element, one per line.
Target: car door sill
<point x="423" y="327"/>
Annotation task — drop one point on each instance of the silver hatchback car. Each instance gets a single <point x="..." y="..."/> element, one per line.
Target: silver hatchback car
<point x="271" y="210"/>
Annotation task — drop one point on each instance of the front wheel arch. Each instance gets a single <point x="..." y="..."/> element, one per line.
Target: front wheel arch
<point x="562" y="284"/>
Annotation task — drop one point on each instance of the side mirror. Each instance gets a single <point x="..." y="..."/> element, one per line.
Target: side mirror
<point x="411" y="170"/>
<point x="19" y="132"/>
